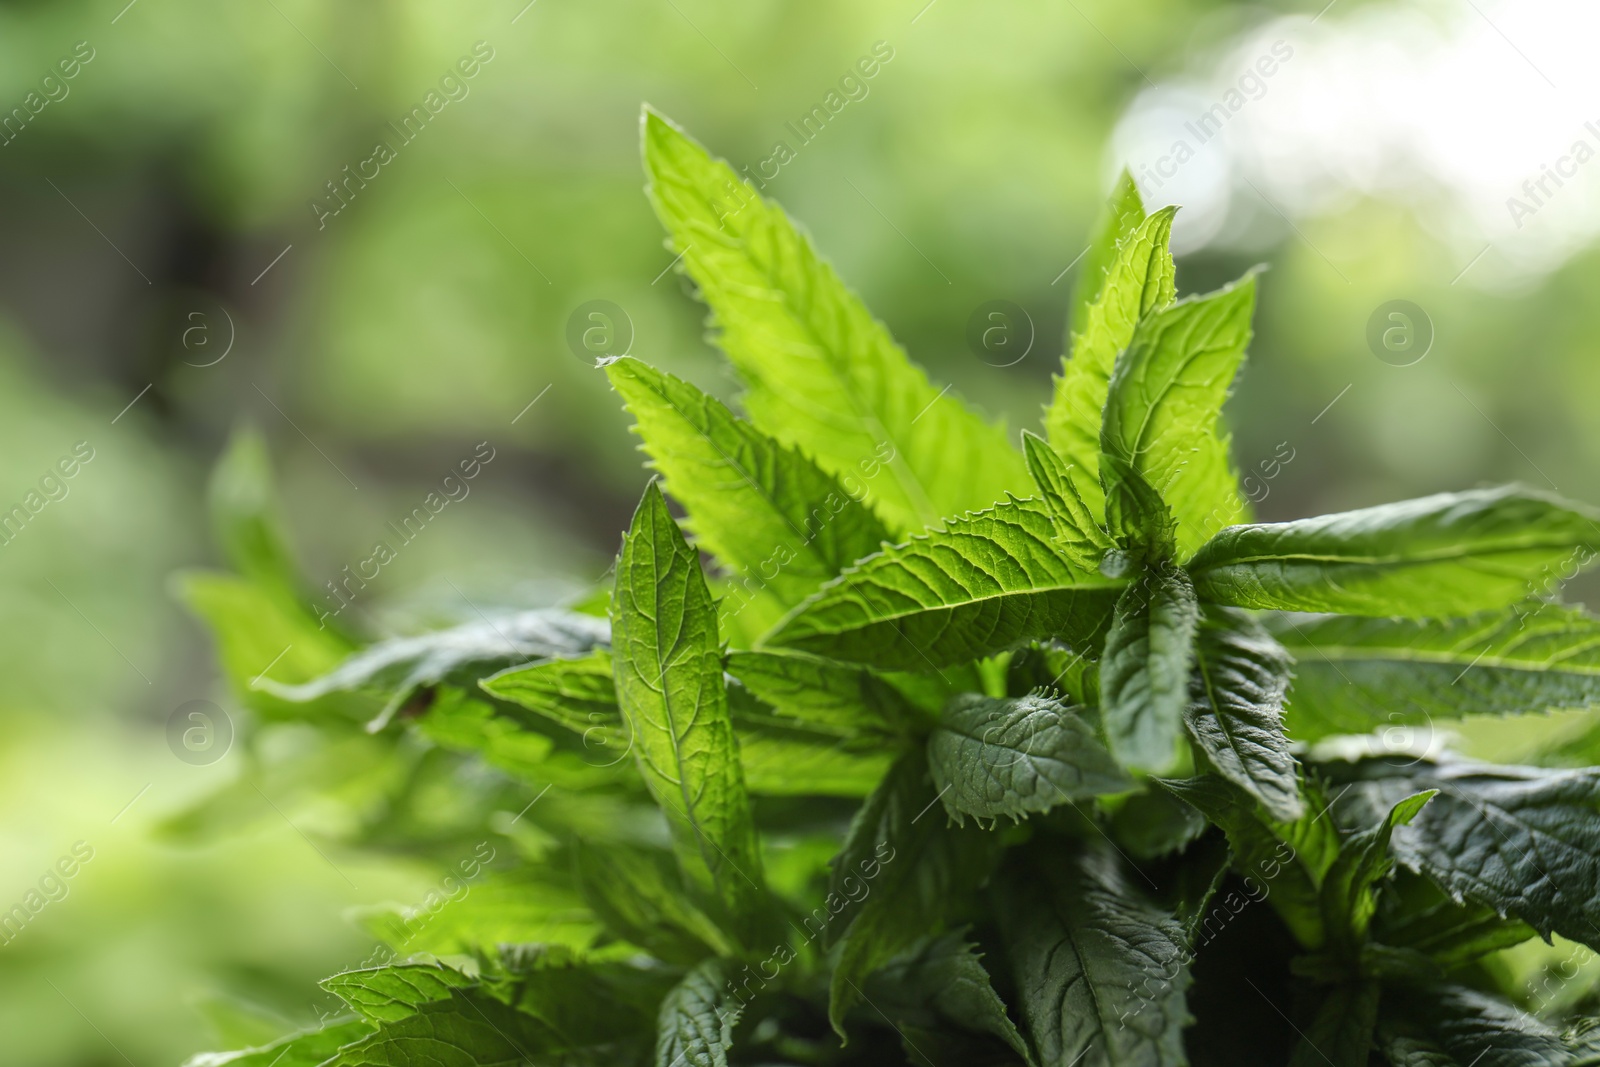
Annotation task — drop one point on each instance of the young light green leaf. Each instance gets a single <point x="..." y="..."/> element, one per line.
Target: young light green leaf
<point x="761" y="508"/>
<point x="1349" y="897"/>
<point x="1452" y="1026"/>
<point x="1520" y="839"/>
<point x="792" y="761"/>
<point x="1341" y="1032"/>
<point x="1119" y="219"/>
<point x="989" y="582"/>
<point x="942" y="979"/>
<point x="1076" y="526"/>
<point x="1292" y="857"/>
<point x="1138" y="281"/>
<point x="667" y="664"/>
<point x="1355" y="675"/>
<point x="900" y="872"/>
<point x="992" y="758"/>
<point x="640" y="896"/>
<point x="1236" y="714"/>
<point x="1144" y="674"/>
<point x="695" y="1026"/>
<point x="309" y="1048"/>
<point x="823" y="374"/>
<point x="1100" y="971"/>
<point x="1448" y="554"/>
<point x="1165" y="400"/>
<point x="402" y="665"/>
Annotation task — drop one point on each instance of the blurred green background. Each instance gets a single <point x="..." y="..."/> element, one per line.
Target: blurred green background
<point x="165" y="276"/>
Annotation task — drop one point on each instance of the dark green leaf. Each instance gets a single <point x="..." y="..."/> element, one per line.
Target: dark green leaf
<point x="1521" y="840"/>
<point x="1450" y="1026"/>
<point x="989" y="582"/>
<point x="901" y="870"/>
<point x="695" y="1027"/>
<point x="1349" y="889"/>
<point x="1236" y="716"/>
<point x="1356" y="675"/>
<point x="1418" y="916"/>
<point x="1144" y="675"/>
<point x="1448" y="554"/>
<point x="943" y="979"/>
<point x="1341" y="1033"/>
<point x="1100" y="971"/>
<point x="668" y="670"/>
<point x="766" y="511"/>
<point x="993" y="758"/>
<point x="823" y="374"/>
<point x="1291" y="858"/>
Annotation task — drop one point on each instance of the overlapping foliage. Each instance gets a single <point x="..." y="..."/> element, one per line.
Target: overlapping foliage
<point x="1021" y="769"/>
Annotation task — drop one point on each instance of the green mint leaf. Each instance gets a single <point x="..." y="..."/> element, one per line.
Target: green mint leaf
<point x="818" y="690"/>
<point x="1100" y="971"/>
<point x="1520" y="839"/>
<point x="1451" y="1026"/>
<point x="402" y="665"/>
<point x="782" y="755"/>
<point x="1356" y="675"/>
<point x="1137" y="280"/>
<point x="822" y="373"/>
<point x="1236" y="715"/>
<point x="1144" y="674"/>
<point x="667" y="663"/>
<point x="776" y="520"/>
<point x="640" y="895"/>
<point x="1076" y="526"/>
<point x="1341" y="1032"/>
<point x="534" y="903"/>
<point x="1138" y="519"/>
<point x="1349" y="897"/>
<point x="1417" y="916"/>
<point x="987" y="583"/>
<point x="1120" y="217"/>
<point x="943" y="980"/>
<point x="1165" y="402"/>
<point x="695" y="1026"/>
<point x="992" y="758"/>
<point x="579" y="694"/>
<point x="386" y="994"/>
<point x="1290" y="857"/>
<point x="310" y="1048"/>
<point x="901" y="871"/>
<point x="1448" y="554"/>
<point x="261" y="639"/>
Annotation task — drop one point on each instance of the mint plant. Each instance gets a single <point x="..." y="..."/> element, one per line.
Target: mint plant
<point x="910" y="745"/>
